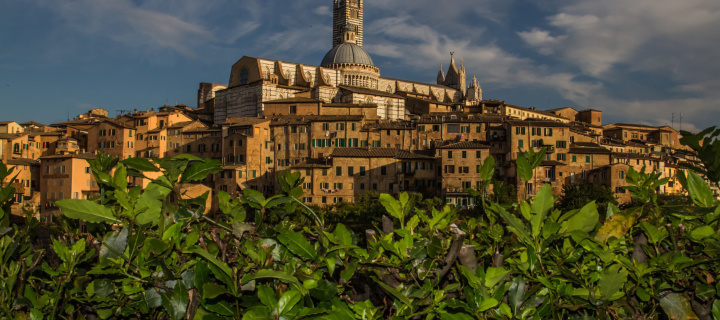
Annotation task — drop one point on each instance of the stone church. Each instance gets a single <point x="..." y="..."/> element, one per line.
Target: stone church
<point x="346" y="75"/>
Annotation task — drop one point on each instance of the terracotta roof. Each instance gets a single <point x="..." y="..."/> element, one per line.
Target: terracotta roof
<point x="6" y="122"/>
<point x="630" y="155"/>
<point x="202" y="130"/>
<point x="180" y="124"/>
<point x="466" y="145"/>
<point x="32" y="123"/>
<point x="369" y="91"/>
<point x="156" y="130"/>
<point x="314" y="163"/>
<point x="23" y="162"/>
<point x="386" y="126"/>
<point x="9" y="136"/>
<point x="537" y="123"/>
<point x="350" y="105"/>
<point x="244" y="121"/>
<point x="377" y="153"/>
<point x="551" y="163"/>
<point x="285" y="120"/>
<point x="294" y="100"/>
<point x="588" y="148"/>
<point x="68" y="156"/>
<point x="459" y="118"/>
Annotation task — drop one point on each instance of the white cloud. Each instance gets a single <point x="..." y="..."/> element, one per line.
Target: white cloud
<point x="323" y="11"/>
<point x="131" y="25"/>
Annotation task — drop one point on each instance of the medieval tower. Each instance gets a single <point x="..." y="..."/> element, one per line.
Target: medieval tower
<point x="347" y="14"/>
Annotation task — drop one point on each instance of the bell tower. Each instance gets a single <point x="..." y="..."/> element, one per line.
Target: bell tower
<point x="347" y="14"/>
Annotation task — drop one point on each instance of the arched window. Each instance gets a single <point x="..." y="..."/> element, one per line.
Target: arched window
<point x="244" y="75"/>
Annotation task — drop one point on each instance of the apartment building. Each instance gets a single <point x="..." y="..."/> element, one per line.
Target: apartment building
<point x="459" y="170"/>
<point x="65" y="176"/>
<point x="112" y="137"/>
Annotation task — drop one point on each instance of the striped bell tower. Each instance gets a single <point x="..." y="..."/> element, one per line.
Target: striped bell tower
<point x="347" y="14"/>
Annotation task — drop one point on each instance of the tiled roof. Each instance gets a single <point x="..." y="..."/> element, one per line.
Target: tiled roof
<point x="350" y="105"/>
<point x="386" y="126"/>
<point x="537" y="123"/>
<point x="466" y="145"/>
<point x="314" y="163"/>
<point x="550" y="163"/>
<point x="294" y="100"/>
<point x="6" y="122"/>
<point x="32" y="123"/>
<point x="179" y="125"/>
<point x="285" y="120"/>
<point x="9" y="136"/>
<point x="588" y="148"/>
<point x="244" y="121"/>
<point x="459" y="117"/>
<point x="369" y="91"/>
<point x="67" y="156"/>
<point x="202" y="130"/>
<point x="23" y="162"/>
<point x="377" y="153"/>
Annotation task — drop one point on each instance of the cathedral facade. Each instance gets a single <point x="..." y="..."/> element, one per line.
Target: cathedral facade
<point x="346" y="75"/>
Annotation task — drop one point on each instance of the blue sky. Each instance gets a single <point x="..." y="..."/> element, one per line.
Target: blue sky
<point x="637" y="60"/>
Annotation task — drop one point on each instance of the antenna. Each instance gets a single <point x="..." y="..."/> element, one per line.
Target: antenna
<point x="681" y="121"/>
<point x="673" y="120"/>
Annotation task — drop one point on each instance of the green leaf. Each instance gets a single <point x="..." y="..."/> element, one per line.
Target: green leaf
<point x="394" y="292"/>
<point x="298" y="245"/>
<point x="585" y="220"/>
<point x="516" y="294"/>
<point x="87" y="211"/>
<point x="211" y="290"/>
<point x="117" y="241"/>
<point x="280" y="275"/>
<point x="239" y="228"/>
<point x="288" y="300"/>
<point x="493" y="276"/>
<point x="677" y="307"/>
<point x="392" y="206"/>
<point x="487" y="304"/>
<point x="699" y="190"/>
<point x="716" y="309"/>
<point x="120" y="177"/>
<point x="343" y="234"/>
<point x="176" y="304"/>
<point x="200" y="251"/>
<point x="199" y="170"/>
<point x="702" y="233"/>
<point x="524" y="171"/>
<point x="705" y="292"/>
<point x="140" y="164"/>
<point x="455" y="316"/>
<point x="267" y="297"/>
<point x="36" y="314"/>
<point x="514" y="224"/>
<point x="617" y="226"/>
<point x="487" y="169"/>
<point x="542" y="203"/>
<point x="324" y="291"/>
<point x="150" y="203"/>
<point x="612" y="280"/>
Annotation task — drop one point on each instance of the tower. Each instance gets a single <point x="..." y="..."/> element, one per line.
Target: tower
<point x="441" y="76"/>
<point x="347" y="14"/>
<point x="455" y="78"/>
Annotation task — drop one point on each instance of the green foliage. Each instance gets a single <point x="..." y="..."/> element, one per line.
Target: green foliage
<point x="707" y="147"/>
<point x="575" y="196"/>
<point x="153" y="254"/>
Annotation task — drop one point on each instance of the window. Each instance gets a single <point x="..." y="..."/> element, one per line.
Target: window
<point x="383" y="170"/>
<point x="621" y="174"/>
<point x="464" y="154"/>
<point x="362" y="186"/>
<point x="338" y="171"/>
<point x="307" y="199"/>
<point x="307" y="185"/>
<point x="244" y="75"/>
<point x="338" y="186"/>
<point x="530" y="189"/>
<point x="62" y="169"/>
<point x="324" y="172"/>
<point x="587" y="159"/>
<point x="619" y="190"/>
<point x="362" y="171"/>
<point x="326" y="126"/>
<point x="351" y="171"/>
<point x="449" y="169"/>
<point x="239" y="174"/>
<point x="374" y="186"/>
<point x="449" y="154"/>
<point x="436" y="127"/>
<point x="293" y="109"/>
<point x="521" y="143"/>
<point x="302" y="146"/>
<point x="339" y="126"/>
<point x="324" y="199"/>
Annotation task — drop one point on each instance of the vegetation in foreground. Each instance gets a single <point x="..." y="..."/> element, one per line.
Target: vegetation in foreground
<point x="151" y="254"/>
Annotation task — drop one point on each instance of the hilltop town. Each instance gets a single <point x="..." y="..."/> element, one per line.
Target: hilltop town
<point x="347" y="130"/>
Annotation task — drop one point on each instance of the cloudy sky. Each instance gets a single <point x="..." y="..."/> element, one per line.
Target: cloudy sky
<point x="637" y="60"/>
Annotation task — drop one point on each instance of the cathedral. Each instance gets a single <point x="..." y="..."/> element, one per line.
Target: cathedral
<point x="346" y="76"/>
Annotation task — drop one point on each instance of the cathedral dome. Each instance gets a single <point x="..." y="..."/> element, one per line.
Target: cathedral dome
<point x="347" y="53"/>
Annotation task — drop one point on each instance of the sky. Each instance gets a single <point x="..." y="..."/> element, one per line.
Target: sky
<point x="639" y="61"/>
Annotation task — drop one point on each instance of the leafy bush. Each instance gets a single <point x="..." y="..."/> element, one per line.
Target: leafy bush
<point x="152" y="254"/>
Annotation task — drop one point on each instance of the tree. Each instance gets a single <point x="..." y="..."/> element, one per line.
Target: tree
<point x="577" y="195"/>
